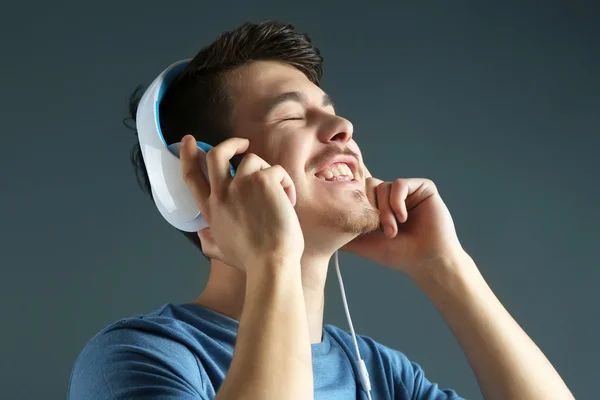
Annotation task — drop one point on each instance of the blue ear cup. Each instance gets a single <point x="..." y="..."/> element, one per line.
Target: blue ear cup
<point x="206" y="147"/>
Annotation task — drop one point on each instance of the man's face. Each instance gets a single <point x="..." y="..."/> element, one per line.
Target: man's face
<point x="291" y="122"/>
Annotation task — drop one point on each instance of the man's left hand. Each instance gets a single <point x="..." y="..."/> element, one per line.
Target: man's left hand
<point x="416" y="226"/>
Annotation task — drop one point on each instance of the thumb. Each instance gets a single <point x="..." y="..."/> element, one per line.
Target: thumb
<point x="208" y="245"/>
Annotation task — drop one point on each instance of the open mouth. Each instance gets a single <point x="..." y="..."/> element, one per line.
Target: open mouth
<point x="337" y="172"/>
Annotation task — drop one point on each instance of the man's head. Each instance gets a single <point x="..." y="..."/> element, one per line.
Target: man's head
<point x="261" y="82"/>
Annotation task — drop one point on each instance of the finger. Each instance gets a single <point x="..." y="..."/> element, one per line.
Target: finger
<point x="278" y="174"/>
<point x="218" y="160"/>
<point x="371" y="187"/>
<point x="367" y="172"/>
<point x="208" y="245"/>
<point x="398" y="195"/>
<point x="418" y="190"/>
<point x="388" y="219"/>
<point x="250" y="164"/>
<point x="191" y="169"/>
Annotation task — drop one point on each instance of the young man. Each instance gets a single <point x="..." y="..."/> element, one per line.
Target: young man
<point x="301" y="192"/>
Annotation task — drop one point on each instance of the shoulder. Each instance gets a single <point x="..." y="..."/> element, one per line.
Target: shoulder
<point x="122" y="356"/>
<point x="389" y="368"/>
<point x="153" y="335"/>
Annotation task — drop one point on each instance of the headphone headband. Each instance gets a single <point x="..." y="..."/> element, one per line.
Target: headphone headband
<point x="170" y="193"/>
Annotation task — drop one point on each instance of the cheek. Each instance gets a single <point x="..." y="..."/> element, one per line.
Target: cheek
<point x="300" y="178"/>
<point x="293" y="160"/>
<point x="289" y="150"/>
<point x="305" y="186"/>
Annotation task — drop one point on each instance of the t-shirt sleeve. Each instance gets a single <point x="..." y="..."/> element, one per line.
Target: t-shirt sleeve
<point x="415" y="381"/>
<point x="410" y="381"/>
<point x="132" y="364"/>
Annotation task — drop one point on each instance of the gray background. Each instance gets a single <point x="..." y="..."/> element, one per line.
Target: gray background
<point x="497" y="102"/>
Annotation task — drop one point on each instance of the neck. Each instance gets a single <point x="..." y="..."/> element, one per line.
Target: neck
<point x="226" y="286"/>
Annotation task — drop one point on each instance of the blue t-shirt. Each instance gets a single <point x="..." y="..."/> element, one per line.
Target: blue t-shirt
<point x="184" y="352"/>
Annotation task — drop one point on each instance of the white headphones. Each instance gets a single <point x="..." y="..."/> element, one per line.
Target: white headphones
<point x="170" y="193"/>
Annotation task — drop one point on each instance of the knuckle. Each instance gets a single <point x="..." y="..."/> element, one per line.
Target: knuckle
<point x="371" y="183"/>
<point x="216" y="198"/>
<point x="211" y="156"/>
<point x="396" y="205"/>
<point x="381" y="189"/>
<point x="214" y="154"/>
<point x="188" y="175"/>
<point x="282" y="171"/>
<point x="430" y="183"/>
<point x="278" y="168"/>
<point x="261" y="178"/>
<point x="250" y="157"/>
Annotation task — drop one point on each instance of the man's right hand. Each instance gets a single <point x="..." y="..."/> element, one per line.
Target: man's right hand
<point x="255" y="228"/>
<point x="251" y="216"/>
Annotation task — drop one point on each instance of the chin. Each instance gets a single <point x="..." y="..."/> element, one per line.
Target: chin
<point x="360" y="222"/>
<point x="329" y="231"/>
<point x="355" y="216"/>
<point x="360" y="219"/>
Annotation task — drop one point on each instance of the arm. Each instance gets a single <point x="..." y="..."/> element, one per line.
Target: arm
<point x="272" y="358"/>
<point x="506" y="362"/>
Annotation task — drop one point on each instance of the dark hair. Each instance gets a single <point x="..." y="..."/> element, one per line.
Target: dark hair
<point x="198" y="101"/>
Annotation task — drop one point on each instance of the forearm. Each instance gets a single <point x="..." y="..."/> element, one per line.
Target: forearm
<point x="272" y="357"/>
<point x="506" y="362"/>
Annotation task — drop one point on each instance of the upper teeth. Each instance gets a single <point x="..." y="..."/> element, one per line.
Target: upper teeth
<point x="337" y="169"/>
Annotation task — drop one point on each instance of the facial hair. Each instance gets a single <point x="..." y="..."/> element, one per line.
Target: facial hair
<point x="358" y="220"/>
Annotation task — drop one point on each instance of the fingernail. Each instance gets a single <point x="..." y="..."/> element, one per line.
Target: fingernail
<point x="388" y="230"/>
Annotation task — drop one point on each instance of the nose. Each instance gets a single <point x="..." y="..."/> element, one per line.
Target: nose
<point x="337" y="129"/>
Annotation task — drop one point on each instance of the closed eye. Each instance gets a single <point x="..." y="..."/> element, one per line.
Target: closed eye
<point x="294" y="119"/>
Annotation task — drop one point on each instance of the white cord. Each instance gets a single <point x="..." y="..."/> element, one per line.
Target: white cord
<point x="362" y="368"/>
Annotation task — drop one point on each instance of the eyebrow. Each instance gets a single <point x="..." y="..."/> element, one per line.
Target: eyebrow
<point x="298" y="97"/>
